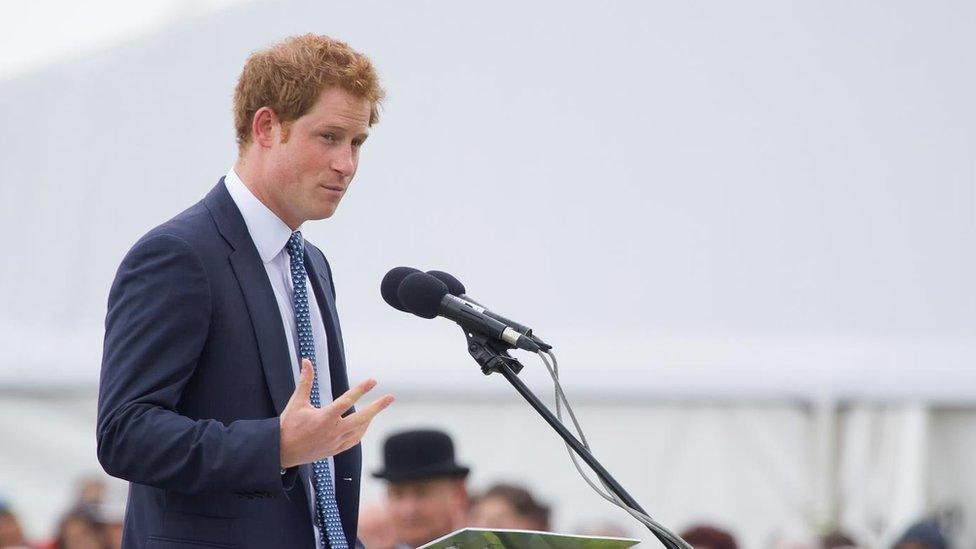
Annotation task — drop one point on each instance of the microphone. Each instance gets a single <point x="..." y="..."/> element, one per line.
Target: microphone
<point x="390" y="284"/>
<point x="456" y="288"/>
<point x="427" y="297"/>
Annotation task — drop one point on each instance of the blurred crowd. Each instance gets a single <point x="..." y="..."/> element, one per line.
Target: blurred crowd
<point x="426" y="498"/>
<point x="92" y="521"/>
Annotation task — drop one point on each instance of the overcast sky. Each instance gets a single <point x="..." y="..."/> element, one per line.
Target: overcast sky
<point x="749" y="193"/>
<point x="39" y="32"/>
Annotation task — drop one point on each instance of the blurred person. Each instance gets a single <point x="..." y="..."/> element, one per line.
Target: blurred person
<point x="110" y="514"/>
<point x="11" y="534"/>
<point x="91" y="490"/>
<point x="837" y="540"/>
<point x="708" y="537"/>
<point x="376" y="529"/>
<point x="508" y="506"/>
<point x="80" y="529"/>
<point x="426" y="489"/>
<point x="222" y="349"/>
<point x="926" y="534"/>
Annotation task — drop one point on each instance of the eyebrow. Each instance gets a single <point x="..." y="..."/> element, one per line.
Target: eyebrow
<point x="363" y="135"/>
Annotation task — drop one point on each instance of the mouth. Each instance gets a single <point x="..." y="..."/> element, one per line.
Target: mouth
<point x="334" y="188"/>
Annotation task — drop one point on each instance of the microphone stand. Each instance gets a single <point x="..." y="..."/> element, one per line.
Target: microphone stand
<point x="492" y="355"/>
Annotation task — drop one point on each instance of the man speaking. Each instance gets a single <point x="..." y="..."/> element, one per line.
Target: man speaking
<point x="223" y="396"/>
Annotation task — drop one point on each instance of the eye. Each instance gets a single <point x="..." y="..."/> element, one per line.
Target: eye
<point x="330" y="137"/>
<point x="358" y="142"/>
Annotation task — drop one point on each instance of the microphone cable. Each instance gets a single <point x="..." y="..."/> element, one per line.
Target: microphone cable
<point x="669" y="538"/>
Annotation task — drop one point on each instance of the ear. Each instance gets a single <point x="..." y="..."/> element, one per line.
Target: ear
<point x="463" y="505"/>
<point x="265" y="127"/>
<point x="461" y="489"/>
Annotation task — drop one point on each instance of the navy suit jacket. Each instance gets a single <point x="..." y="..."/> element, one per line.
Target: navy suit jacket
<point x="195" y="373"/>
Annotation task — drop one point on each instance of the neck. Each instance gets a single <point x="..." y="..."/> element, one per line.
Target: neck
<point x="254" y="178"/>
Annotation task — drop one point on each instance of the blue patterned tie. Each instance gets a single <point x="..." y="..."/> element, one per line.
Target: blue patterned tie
<point x="326" y="509"/>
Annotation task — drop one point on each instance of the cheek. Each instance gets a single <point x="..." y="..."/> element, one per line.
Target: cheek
<point x="305" y="163"/>
<point x="299" y="158"/>
<point x="428" y="507"/>
<point x="403" y="510"/>
<point x="287" y="167"/>
<point x="446" y="507"/>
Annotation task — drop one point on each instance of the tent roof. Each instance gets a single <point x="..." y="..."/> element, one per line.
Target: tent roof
<point x="747" y="200"/>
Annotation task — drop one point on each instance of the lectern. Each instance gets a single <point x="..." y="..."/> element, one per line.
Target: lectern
<point x="477" y="538"/>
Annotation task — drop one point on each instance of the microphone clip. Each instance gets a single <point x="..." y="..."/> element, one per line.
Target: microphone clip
<point x="491" y="354"/>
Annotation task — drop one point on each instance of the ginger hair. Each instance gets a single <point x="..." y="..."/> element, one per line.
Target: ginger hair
<point x="289" y="76"/>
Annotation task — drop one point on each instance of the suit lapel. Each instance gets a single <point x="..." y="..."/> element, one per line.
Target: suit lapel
<point x="270" y="334"/>
<point x="266" y="320"/>
<point x="258" y="295"/>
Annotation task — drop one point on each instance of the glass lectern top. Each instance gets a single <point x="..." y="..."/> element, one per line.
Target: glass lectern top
<point x="477" y="538"/>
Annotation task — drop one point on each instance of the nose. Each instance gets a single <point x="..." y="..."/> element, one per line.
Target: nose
<point x="345" y="162"/>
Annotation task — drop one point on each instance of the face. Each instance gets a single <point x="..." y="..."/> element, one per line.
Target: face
<point x="113" y="532"/>
<point x="312" y="160"/>
<point x="10" y="532"/>
<point x="92" y="491"/>
<point x="376" y="527"/>
<point x="494" y="512"/>
<point x="77" y="533"/>
<point x="426" y="510"/>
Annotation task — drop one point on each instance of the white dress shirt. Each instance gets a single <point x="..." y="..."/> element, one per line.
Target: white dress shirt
<point x="270" y="235"/>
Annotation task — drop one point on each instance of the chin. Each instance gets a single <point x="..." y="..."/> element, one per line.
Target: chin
<point x="324" y="212"/>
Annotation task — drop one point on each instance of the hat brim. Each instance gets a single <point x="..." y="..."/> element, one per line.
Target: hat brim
<point x="455" y="471"/>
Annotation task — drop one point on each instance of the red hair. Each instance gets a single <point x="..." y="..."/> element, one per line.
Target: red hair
<point x="289" y="76"/>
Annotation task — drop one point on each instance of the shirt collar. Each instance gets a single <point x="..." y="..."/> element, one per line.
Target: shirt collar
<point x="267" y="230"/>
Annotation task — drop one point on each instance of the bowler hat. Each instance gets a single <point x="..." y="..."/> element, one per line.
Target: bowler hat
<point x="418" y="455"/>
<point x="927" y="533"/>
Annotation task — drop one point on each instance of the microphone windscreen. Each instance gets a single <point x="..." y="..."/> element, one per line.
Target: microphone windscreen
<point x="391" y="283"/>
<point x="421" y="294"/>
<point x="454" y="285"/>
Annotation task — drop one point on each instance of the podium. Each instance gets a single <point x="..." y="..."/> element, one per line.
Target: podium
<point x="478" y="538"/>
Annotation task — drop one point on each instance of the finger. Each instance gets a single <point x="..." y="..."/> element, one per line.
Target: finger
<point x="352" y="436"/>
<point x="351" y="439"/>
<point x="349" y="398"/>
<point x="303" y="390"/>
<point x="362" y="417"/>
<point x="347" y="444"/>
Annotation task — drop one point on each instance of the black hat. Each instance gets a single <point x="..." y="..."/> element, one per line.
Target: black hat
<point x="419" y="455"/>
<point x="926" y="533"/>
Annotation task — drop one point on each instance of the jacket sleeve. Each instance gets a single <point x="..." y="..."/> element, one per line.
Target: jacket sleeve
<point x="158" y="318"/>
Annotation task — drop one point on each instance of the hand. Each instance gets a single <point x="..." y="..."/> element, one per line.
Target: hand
<point x="309" y="433"/>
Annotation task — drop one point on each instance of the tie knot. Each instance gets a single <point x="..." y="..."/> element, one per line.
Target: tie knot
<point x="296" y="245"/>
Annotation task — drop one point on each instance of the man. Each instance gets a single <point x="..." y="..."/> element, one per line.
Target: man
<point x="426" y="491"/>
<point x="376" y="527"/>
<point x="222" y="344"/>
<point x="508" y="506"/>
<point x="837" y="539"/>
<point x="11" y="534"/>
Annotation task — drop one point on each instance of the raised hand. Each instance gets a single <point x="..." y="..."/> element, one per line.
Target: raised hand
<point x="309" y="433"/>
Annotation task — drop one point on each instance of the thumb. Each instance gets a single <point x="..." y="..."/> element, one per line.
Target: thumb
<point x="303" y="390"/>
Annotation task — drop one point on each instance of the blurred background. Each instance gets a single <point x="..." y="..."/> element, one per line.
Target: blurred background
<point x="747" y="228"/>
